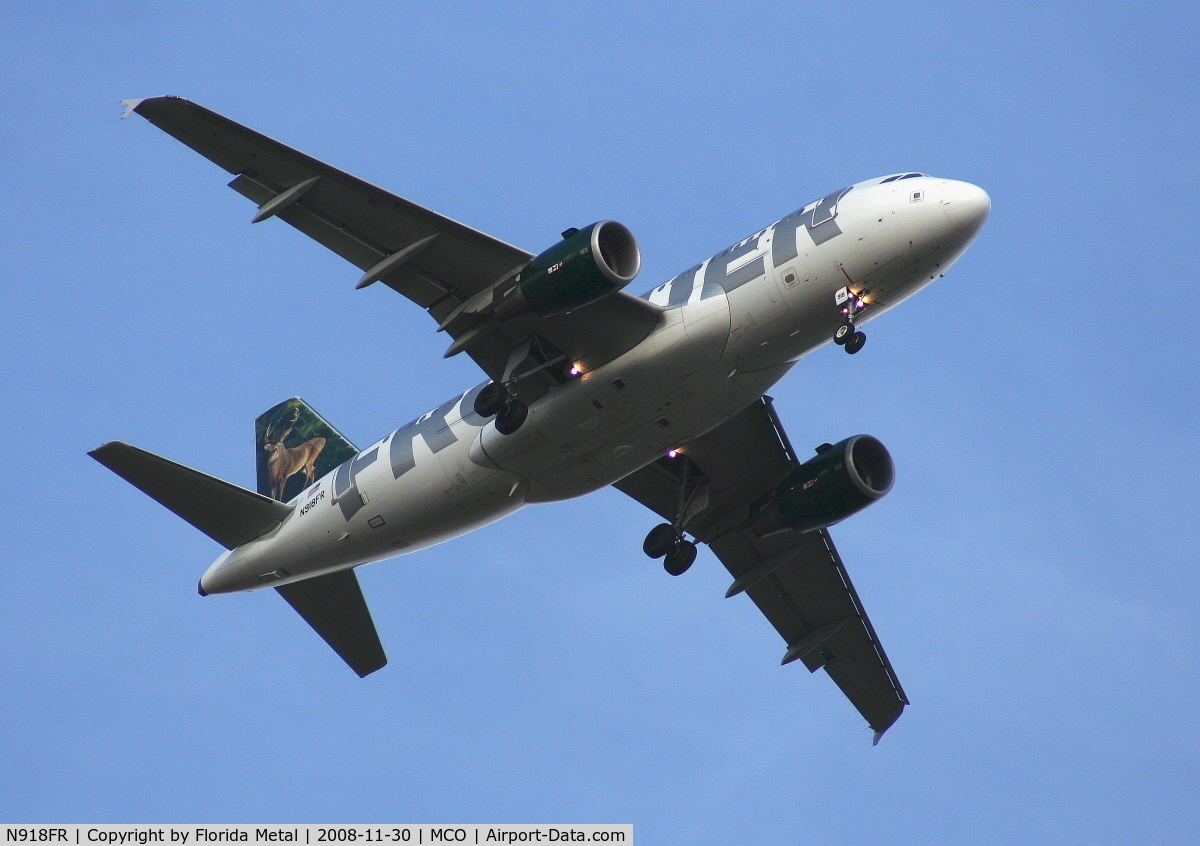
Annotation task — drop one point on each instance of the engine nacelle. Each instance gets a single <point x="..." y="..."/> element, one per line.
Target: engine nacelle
<point x="841" y="480"/>
<point x="587" y="265"/>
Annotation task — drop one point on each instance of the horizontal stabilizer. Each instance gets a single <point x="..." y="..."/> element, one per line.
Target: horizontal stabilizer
<point x="334" y="606"/>
<point x="226" y="513"/>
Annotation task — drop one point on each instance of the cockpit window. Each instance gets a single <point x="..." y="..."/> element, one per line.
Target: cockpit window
<point x="900" y="176"/>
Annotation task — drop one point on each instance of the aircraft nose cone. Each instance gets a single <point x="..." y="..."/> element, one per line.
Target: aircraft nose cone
<point x="966" y="206"/>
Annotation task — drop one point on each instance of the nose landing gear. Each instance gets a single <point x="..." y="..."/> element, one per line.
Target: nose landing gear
<point x="853" y="341"/>
<point x="852" y="306"/>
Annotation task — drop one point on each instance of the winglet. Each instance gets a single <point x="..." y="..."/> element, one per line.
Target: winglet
<point x="878" y="734"/>
<point x="131" y="106"/>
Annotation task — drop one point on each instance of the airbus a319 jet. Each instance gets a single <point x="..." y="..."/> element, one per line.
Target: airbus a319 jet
<point x="661" y="396"/>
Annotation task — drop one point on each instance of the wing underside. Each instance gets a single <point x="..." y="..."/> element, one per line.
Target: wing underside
<point x="358" y="221"/>
<point x="796" y="579"/>
<point x="445" y="267"/>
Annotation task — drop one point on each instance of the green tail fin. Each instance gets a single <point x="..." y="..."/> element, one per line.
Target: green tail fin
<point x="295" y="447"/>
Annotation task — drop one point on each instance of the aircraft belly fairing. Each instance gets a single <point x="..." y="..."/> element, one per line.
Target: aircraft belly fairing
<point x="589" y="386"/>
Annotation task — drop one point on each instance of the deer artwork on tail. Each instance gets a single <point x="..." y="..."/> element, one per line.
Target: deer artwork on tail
<point x="284" y="462"/>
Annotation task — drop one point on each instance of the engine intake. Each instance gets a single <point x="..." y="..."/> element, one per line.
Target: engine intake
<point x="587" y="265"/>
<point x="841" y="480"/>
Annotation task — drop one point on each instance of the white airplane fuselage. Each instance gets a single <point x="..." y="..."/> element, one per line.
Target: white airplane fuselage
<point x="731" y="328"/>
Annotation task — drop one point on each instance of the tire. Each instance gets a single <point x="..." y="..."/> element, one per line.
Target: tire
<point x="660" y="540"/>
<point x="855" y="343"/>
<point x="490" y="400"/>
<point x="680" y="558"/>
<point x="511" y="417"/>
<point x="843" y="333"/>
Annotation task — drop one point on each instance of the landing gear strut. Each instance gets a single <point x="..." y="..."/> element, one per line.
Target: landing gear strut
<point x="667" y="543"/>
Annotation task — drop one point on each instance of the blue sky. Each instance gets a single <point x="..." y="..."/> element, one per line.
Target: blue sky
<point x="1033" y="573"/>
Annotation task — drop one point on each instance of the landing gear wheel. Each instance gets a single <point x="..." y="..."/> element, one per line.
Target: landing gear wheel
<point x="490" y="400"/>
<point x="511" y="417"/>
<point x="843" y="333"/>
<point x="855" y="342"/>
<point x="660" y="541"/>
<point x="680" y="558"/>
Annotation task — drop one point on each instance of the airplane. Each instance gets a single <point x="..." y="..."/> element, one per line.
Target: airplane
<point x="661" y="396"/>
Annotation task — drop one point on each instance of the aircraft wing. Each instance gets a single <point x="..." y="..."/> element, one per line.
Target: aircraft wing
<point x="445" y="267"/>
<point x="796" y="579"/>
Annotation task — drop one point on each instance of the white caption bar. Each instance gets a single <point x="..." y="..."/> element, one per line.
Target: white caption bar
<point x="206" y="835"/>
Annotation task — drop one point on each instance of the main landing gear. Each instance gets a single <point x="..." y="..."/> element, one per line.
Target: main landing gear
<point x="496" y="399"/>
<point x="534" y="359"/>
<point x="852" y="306"/>
<point x="664" y="541"/>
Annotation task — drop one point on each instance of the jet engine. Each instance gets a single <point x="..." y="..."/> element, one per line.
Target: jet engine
<point x="587" y="265"/>
<point x="840" y="480"/>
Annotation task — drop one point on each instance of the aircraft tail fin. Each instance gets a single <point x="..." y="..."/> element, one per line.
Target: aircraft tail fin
<point x="228" y="514"/>
<point x="334" y="606"/>
<point x="296" y="446"/>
